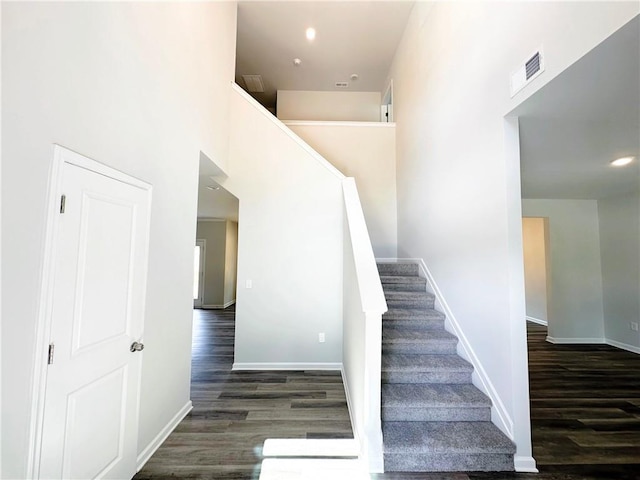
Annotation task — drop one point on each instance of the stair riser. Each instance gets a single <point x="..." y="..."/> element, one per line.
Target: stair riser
<point x="417" y="315"/>
<point x="417" y="303"/>
<point x="425" y="462"/>
<point x="403" y="287"/>
<point x="428" y="324"/>
<point x="426" y="377"/>
<point x="398" y="269"/>
<point x="435" y="348"/>
<point x="436" y="414"/>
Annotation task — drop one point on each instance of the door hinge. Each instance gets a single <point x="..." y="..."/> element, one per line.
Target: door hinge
<point x="63" y="201"/>
<point x="50" y="356"/>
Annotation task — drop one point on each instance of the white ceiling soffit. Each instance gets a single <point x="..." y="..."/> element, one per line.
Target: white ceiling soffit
<point x="215" y="202"/>
<point x="589" y="115"/>
<point x="351" y="37"/>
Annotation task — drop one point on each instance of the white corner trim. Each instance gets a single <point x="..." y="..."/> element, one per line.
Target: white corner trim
<point x="623" y="346"/>
<point x="579" y="340"/>
<point x="537" y="320"/>
<point x="347" y="393"/>
<point x="336" y="123"/>
<point x="287" y="366"/>
<point x="524" y="464"/>
<point x="145" y="455"/>
<point x="499" y="414"/>
<point x="217" y="307"/>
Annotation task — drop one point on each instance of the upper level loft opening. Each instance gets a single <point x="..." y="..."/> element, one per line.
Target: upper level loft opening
<point x="320" y="60"/>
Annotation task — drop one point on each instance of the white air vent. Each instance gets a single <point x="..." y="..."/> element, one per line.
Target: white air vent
<point x="342" y="84"/>
<point x="530" y="69"/>
<point x="253" y="83"/>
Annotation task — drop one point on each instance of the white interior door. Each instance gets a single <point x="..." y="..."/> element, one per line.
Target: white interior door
<point x="90" y="420"/>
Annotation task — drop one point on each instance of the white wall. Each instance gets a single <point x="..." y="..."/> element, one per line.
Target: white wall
<point x="619" y="219"/>
<point x="230" y="262"/>
<point x="143" y="88"/>
<point x="339" y="106"/>
<point x="457" y="188"/>
<point x="534" y="246"/>
<point x="575" y="306"/>
<point x="290" y="238"/>
<point x="366" y="152"/>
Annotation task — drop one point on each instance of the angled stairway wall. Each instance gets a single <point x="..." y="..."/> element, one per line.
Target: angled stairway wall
<point x="290" y="244"/>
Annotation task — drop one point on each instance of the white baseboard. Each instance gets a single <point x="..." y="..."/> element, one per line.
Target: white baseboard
<point x="218" y="307"/>
<point x="577" y="340"/>
<point x="524" y="464"/>
<point x="537" y="320"/>
<point x="145" y="455"/>
<point x="499" y="414"/>
<point x="287" y="366"/>
<point x="623" y="346"/>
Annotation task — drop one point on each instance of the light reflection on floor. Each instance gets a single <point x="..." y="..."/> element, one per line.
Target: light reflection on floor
<point x="327" y="458"/>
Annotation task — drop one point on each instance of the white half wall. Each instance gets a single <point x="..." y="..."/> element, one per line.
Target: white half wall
<point x="142" y="88"/>
<point x="575" y="306"/>
<point x="619" y="219"/>
<point x="328" y="106"/>
<point x="367" y="152"/>
<point x="455" y="176"/>
<point x="290" y="242"/>
<point x="534" y="243"/>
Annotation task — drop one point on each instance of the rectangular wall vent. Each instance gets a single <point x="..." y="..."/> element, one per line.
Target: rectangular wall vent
<point x="529" y="69"/>
<point x="533" y="65"/>
<point x="253" y="83"/>
<point x="342" y="84"/>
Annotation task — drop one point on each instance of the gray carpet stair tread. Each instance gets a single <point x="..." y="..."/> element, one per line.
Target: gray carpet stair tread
<point x="417" y="438"/>
<point x="392" y="334"/>
<point x="405" y="269"/>
<point x="400" y="295"/>
<point x="413" y="313"/>
<point x="425" y="363"/>
<point x="433" y="396"/>
<point x="402" y="279"/>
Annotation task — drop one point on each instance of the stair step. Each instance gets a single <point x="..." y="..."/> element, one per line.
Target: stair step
<point x="412" y="340"/>
<point x="409" y="300"/>
<point x="397" y="313"/>
<point x="403" y="368"/>
<point x="446" y="447"/>
<point x="434" y="402"/>
<point x="402" y="269"/>
<point x="403" y="283"/>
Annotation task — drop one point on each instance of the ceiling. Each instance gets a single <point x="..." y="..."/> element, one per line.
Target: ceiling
<point x="587" y="116"/>
<point x="358" y="37"/>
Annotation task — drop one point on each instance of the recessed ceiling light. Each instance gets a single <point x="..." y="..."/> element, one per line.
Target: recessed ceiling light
<point x="297" y="62"/>
<point x="213" y="187"/>
<point x="310" y="33"/>
<point x="621" y="162"/>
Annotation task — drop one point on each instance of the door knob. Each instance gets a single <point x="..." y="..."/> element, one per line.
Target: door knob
<point x="137" y="347"/>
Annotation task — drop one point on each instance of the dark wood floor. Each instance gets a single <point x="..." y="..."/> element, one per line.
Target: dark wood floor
<point x="585" y="409"/>
<point x="235" y="412"/>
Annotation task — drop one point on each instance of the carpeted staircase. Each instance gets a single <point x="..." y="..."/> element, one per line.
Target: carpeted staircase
<point x="433" y="418"/>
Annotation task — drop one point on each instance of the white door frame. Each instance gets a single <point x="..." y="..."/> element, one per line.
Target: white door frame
<point x="198" y="302"/>
<point x="61" y="155"/>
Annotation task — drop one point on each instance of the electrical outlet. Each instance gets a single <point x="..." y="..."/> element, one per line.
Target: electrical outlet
<point x="633" y="326"/>
<point x="321" y="337"/>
